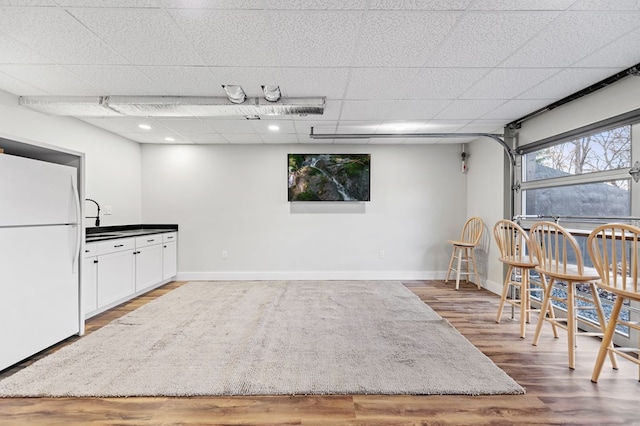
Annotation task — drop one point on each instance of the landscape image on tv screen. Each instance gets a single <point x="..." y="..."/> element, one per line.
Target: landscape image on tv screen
<point x="329" y="177"/>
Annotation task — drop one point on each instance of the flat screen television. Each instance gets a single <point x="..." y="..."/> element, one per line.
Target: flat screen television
<point x="329" y="177"/>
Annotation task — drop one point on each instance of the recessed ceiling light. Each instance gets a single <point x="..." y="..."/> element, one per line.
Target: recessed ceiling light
<point x="274" y="127"/>
<point x="144" y="126"/>
<point x="169" y="139"/>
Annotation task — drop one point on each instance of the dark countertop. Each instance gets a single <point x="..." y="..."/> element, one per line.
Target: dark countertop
<point x="104" y="233"/>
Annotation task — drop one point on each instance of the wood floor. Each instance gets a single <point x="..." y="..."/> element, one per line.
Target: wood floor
<point x="555" y="394"/>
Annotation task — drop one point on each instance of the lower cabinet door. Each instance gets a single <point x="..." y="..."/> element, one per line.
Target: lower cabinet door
<point x="116" y="276"/>
<point x="90" y="284"/>
<point x="148" y="266"/>
<point x="169" y="260"/>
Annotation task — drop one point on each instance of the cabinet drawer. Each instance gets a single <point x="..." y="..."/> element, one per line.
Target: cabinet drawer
<point x="148" y="240"/>
<point x="169" y="236"/>
<point x="113" y="246"/>
<point x="91" y="250"/>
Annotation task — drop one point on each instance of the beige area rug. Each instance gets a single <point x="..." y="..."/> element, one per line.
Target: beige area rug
<point x="269" y="338"/>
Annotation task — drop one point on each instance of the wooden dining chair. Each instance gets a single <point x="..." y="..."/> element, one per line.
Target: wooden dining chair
<point x="464" y="251"/>
<point x="615" y="251"/>
<point x="560" y="261"/>
<point x="517" y="254"/>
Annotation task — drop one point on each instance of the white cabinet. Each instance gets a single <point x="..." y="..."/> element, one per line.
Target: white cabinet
<point x="148" y="261"/>
<point x="169" y="255"/>
<point x="90" y="278"/>
<point x="116" y="270"/>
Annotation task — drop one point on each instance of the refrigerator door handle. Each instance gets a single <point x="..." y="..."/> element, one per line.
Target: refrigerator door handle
<point x="78" y="225"/>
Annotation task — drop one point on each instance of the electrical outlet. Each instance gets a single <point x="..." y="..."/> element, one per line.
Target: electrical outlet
<point x="381" y="254"/>
<point x="225" y="254"/>
<point x="107" y="210"/>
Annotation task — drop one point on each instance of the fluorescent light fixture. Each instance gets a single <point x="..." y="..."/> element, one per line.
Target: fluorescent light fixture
<point x="234" y="93"/>
<point x="271" y="93"/>
<point x="274" y="127"/>
<point x="170" y="106"/>
<point x="169" y="139"/>
<point x="144" y="126"/>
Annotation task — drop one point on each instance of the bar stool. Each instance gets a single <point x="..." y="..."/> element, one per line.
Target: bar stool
<point x="615" y="252"/>
<point x="515" y="252"/>
<point x="464" y="251"/>
<point x="560" y="260"/>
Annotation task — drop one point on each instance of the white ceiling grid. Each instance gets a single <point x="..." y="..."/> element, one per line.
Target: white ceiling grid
<point x="384" y="66"/>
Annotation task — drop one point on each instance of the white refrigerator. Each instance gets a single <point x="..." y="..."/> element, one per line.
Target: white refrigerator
<point x="40" y="242"/>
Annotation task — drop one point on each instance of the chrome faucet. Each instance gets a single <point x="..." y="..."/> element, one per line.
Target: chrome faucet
<point x="97" y="216"/>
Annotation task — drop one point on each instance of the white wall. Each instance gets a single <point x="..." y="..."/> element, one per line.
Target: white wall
<point x="112" y="175"/>
<point x="234" y="198"/>
<point x="485" y="198"/>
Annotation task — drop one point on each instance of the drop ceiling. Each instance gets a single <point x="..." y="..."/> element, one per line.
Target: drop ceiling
<point x="383" y="66"/>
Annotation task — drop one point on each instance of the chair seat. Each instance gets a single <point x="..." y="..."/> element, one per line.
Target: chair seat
<point x="461" y="243"/>
<point x="571" y="274"/>
<point x="518" y="262"/>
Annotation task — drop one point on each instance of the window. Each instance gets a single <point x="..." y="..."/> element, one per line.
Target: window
<point x="582" y="177"/>
<point x="583" y="181"/>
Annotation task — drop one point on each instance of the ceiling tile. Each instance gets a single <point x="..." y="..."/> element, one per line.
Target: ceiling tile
<point x="241" y="138"/>
<point x="27" y="3"/>
<point x="416" y="37"/>
<point x="630" y="5"/>
<point x="112" y="125"/>
<point x="482" y="39"/>
<point x="508" y="83"/>
<point x="573" y="36"/>
<point x="213" y="4"/>
<point x="13" y="85"/>
<point x="108" y="3"/>
<point x="262" y="126"/>
<point x="419" y="4"/>
<point x="468" y="109"/>
<point x="304" y="127"/>
<point x="314" y="38"/>
<point x="353" y="126"/>
<point x="317" y="4"/>
<point x="185" y="125"/>
<point x="442" y="126"/>
<point x="621" y="53"/>
<point x="52" y="79"/>
<point x="428" y="84"/>
<point x="183" y="81"/>
<point x="52" y="32"/>
<point x="279" y="138"/>
<point x="14" y="52"/>
<point x="514" y="109"/>
<point x="117" y="80"/>
<point x="521" y="4"/>
<point x="157" y="39"/>
<point x="228" y="38"/>
<point x="484" y="126"/>
<point x="416" y="109"/>
<point x="205" y="138"/>
<point x="567" y="82"/>
<point x="366" y="110"/>
<point x="312" y="82"/>
<point x="228" y="125"/>
<point x="380" y="83"/>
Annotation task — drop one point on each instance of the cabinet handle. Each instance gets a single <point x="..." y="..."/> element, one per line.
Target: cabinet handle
<point x="95" y="261"/>
<point x="169" y="238"/>
<point x="118" y="245"/>
<point x="151" y="240"/>
<point x="165" y="246"/>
